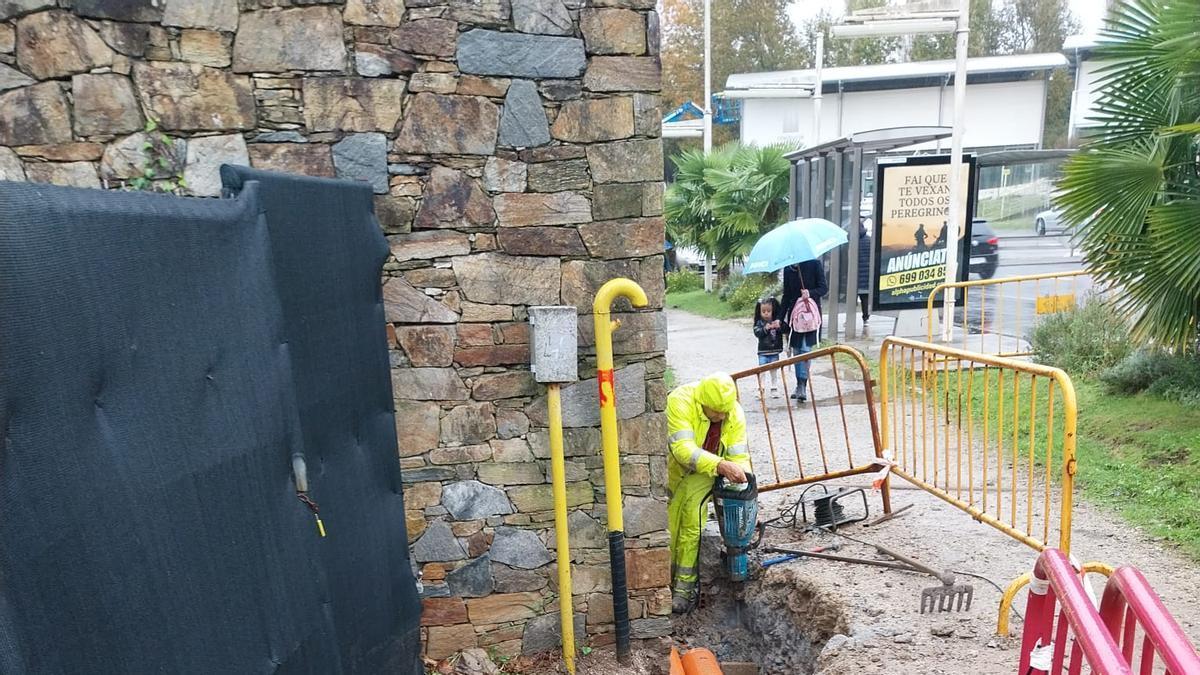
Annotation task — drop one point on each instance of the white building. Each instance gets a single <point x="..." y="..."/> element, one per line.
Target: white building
<point x="1079" y="51"/>
<point x="1006" y="97"/>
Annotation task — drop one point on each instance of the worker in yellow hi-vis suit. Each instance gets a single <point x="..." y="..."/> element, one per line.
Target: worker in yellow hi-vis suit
<point x="707" y="436"/>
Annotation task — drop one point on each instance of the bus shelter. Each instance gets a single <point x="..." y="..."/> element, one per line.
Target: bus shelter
<point x="834" y="181"/>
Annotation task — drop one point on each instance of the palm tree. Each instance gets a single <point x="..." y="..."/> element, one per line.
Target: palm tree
<point x="1138" y="175"/>
<point x="723" y="201"/>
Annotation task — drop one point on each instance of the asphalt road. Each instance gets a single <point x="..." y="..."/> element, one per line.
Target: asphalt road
<point x="1010" y="309"/>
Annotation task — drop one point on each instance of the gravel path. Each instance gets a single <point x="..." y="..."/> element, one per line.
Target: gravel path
<point x="886" y="634"/>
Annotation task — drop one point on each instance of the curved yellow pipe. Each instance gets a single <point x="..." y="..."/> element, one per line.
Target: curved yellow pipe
<point x="608" y="293"/>
<point x="1020" y="582"/>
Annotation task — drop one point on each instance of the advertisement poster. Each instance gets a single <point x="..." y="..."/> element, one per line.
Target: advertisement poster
<point x="912" y="204"/>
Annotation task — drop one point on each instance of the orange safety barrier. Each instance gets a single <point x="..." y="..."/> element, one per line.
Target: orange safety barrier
<point x="676" y="663"/>
<point x="1064" y="631"/>
<point x="701" y="662"/>
<point x="798" y="451"/>
<point x="993" y="436"/>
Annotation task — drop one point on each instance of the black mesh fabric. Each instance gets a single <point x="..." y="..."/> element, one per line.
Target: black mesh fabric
<point x="156" y="360"/>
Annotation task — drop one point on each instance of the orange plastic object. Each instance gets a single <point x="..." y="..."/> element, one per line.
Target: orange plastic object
<point x="676" y="664"/>
<point x="701" y="662"/>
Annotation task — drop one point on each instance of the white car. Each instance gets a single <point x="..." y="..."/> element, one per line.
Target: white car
<point x="1049" y="220"/>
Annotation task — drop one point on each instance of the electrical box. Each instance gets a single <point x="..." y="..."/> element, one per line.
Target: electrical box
<point x="554" y="343"/>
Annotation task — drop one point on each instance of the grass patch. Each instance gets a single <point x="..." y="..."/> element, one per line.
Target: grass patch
<point x="1136" y="455"/>
<point x="705" y="304"/>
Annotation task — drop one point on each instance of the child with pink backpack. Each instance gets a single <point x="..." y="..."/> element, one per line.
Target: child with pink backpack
<point x="804" y="285"/>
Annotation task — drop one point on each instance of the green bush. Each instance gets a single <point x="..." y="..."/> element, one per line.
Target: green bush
<point x="1158" y="373"/>
<point x="682" y="281"/>
<point x="1084" y="340"/>
<point x="741" y="291"/>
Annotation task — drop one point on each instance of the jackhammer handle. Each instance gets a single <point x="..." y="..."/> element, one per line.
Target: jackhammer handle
<point x="947" y="579"/>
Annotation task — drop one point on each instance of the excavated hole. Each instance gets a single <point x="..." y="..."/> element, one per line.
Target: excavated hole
<point x="782" y="623"/>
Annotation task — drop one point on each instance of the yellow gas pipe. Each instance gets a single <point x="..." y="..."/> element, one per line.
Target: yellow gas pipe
<point x="608" y="293"/>
<point x="558" y="475"/>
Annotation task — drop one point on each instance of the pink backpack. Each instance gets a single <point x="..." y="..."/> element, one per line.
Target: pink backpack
<point x="806" y="316"/>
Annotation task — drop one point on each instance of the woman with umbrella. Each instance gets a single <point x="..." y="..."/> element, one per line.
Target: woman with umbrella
<point x="797" y="247"/>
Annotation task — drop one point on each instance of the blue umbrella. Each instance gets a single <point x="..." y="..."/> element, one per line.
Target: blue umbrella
<point x="794" y="242"/>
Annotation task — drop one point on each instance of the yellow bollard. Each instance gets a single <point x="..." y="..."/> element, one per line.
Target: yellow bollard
<point x="608" y="293"/>
<point x="558" y="475"/>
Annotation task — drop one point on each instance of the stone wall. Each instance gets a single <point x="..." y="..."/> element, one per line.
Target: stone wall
<point x="513" y="149"/>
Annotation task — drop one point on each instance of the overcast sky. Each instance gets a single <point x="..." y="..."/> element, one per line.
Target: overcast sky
<point x="1089" y="12"/>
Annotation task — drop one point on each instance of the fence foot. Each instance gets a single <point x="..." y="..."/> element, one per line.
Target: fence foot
<point x="1006" y="602"/>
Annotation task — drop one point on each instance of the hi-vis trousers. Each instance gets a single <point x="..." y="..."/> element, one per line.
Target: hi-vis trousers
<point x="686" y="513"/>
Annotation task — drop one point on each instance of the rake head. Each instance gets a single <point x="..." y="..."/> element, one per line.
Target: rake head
<point x="947" y="598"/>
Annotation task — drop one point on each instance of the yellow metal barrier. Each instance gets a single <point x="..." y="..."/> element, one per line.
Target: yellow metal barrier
<point x="1010" y="593"/>
<point x="994" y="308"/>
<point x="991" y="435"/>
<point x="816" y="449"/>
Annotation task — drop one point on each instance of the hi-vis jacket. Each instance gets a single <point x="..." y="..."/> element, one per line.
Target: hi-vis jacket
<point x="687" y="427"/>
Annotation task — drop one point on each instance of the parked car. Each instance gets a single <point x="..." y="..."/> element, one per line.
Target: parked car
<point x="1049" y="220"/>
<point x="985" y="249"/>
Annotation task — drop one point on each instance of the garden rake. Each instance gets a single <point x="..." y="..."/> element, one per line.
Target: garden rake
<point x="949" y="597"/>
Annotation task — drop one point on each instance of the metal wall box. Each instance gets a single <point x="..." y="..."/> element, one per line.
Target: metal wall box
<point x="554" y="343"/>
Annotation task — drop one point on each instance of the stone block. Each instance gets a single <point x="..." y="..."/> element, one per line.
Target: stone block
<point x="404" y="304"/>
<point x="545" y="17"/>
<point x="352" y="104"/>
<point x="14" y="8"/>
<point x="475" y="335"/>
<point x="631" y="238"/>
<point x="502" y="175"/>
<point x="511" y="424"/>
<point x="652" y="199"/>
<point x="129" y="39"/>
<point x="205" y="155"/>
<point x="35" y="115"/>
<point x="57" y="44"/>
<point x="643" y="435"/>
<point x="647" y="115"/>
<point x="11" y="78"/>
<point x="69" y="174"/>
<point x="444" y="641"/>
<point x="466" y="454"/>
<point x="63" y="152"/>
<point x="617" y="200"/>
<point x="429" y="473"/>
<point x="511" y="450"/>
<point x="513" y="384"/>
<point x="654" y="627"/>
<point x="8" y="38"/>
<point x="623" y="73"/>
<point x="299" y="38"/>
<point x="363" y="157"/>
<point x="481" y="12"/>
<point x="473" y="119"/>
<point x="429" y="245"/>
<point x="374" y="12"/>
<point x="472" y="311"/>
<point x="626" y="161"/>
<point x="648" y="568"/>
<point x="219" y="15"/>
<point x="472" y="85"/>
<point x="653" y="34"/>
<point x="582" y="278"/>
<point x="431" y="277"/>
<point x="519" y="548"/>
<point x="469" y="423"/>
<point x="438" y="544"/>
<point x="510" y="473"/>
<point x="509" y="580"/>
<point x="516" y="333"/>
<point x="304" y="159"/>
<point x="427" y="345"/>
<point x="496" y="355"/>
<point x="438" y="83"/>
<point x="486" y="52"/>
<point x="517" y="280"/>
<point x="378" y="60"/>
<point x="473" y="580"/>
<point x="541" y="241"/>
<point x="433" y="37"/>
<point x="585" y="579"/>
<point x="417" y="427"/>
<point x="504" y="607"/>
<point x="536" y="498"/>
<point x="206" y="47"/>
<point x="523" y="120"/>
<point x="414" y="524"/>
<point x="190" y="97"/>
<point x="644" y="514"/>
<point x="515" y="209"/>
<point x="544" y="632"/>
<point x="453" y="199"/>
<point x="570" y="174"/>
<point x="443" y="611"/>
<point x="552" y="153"/>
<point x="422" y="495"/>
<point x="580" y="407"/>
<point x="10" y="165"/>
<point x="428" y="384"/>
<point x="471" y="500"/>
<point x="588" y="120"/>
<point x="613" y="31"/>
<point x="126" y="157"/>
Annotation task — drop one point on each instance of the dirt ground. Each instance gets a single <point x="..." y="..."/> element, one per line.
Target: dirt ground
<point x="884" y="633"/>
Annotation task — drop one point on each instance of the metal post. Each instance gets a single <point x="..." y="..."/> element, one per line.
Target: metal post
<point x="804" y="189"/>
<point x="956" y="203"/>
<point x="816" y="202"/>
<point x="708" y="261"/>
<point x="561" y="532"/>
<point x="852" y="289"/>
<point x="818" y="89"/>
<point x="793" y="196"/>
<point x="833" y="304"/>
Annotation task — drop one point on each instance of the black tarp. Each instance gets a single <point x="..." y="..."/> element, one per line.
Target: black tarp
<point x="161" y="361"/>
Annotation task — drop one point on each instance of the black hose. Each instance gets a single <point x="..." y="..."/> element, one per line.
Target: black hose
<point x="616" y="558"/>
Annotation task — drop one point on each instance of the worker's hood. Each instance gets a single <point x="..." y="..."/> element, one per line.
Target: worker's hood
<point x="717" y="391"/>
